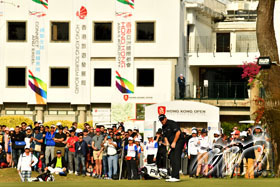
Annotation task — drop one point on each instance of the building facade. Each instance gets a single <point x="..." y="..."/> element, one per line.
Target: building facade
<point x="58" y="58"/>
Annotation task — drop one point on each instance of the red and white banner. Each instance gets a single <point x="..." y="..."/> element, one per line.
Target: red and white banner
<point x="125" y="39"/>
<point x="81" y="53"/>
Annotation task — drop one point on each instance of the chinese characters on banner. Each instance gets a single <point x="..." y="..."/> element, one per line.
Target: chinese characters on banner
<point x="81" y="58"/>
<point x="124" y="58"/>
<point x="37" y="71"/>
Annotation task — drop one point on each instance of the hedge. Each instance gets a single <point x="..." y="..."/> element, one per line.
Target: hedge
<point x="13" y="121"/>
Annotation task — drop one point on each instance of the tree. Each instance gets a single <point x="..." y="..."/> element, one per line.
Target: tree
<point x="271" y="77"/>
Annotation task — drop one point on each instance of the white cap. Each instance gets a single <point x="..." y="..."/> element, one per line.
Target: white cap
<point x="27" y="147"/>
<point x="150" y="136"/>
<point x="40" y="122"/>
<point x="130" y="138"/>
<point x="0" y="146"/>
<point x="217" y="132"/>
<point x="79" y="130"/>
<point x="181" y="74"/>
<point x="194" y="128"/>
<point x="53" y="126"/>
<point x="28" y="128"/>
<point x="12" y="129"/>
<point x="58" y="123"/>
<point x="194" y="131"/>
<point x="137" y="140"/>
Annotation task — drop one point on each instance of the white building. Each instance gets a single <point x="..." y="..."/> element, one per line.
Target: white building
<point x="75" y="89"/>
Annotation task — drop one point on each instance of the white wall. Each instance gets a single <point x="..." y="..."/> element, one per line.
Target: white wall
<point x="166" y="15"/>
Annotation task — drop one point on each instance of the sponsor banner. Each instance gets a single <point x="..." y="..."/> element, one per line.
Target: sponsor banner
<point x="125" y="59"/>
<point x="81" y="53"/>
<point x="100" y="115"/>
<point x="37" y="74"/>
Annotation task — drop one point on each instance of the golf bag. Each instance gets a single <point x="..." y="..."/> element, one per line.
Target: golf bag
<point x="151" y="171"/>
<point x="45" y="177"/>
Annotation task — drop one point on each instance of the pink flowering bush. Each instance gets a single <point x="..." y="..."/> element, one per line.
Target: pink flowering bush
<point x="250" y="70"/>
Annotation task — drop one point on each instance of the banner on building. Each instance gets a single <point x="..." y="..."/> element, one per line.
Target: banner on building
<point x="81" y="52"/>
<point x="125" y="59"/>
<point x="37" y="74"/>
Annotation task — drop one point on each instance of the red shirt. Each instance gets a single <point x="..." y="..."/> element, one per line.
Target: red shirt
<point x="71" y="141"/>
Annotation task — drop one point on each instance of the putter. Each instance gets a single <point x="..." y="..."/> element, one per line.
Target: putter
<point x="121" y="165"/>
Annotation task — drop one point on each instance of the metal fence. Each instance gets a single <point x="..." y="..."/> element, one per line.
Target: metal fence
<point x="216" y="90"/>
<point x="207" y="44"/>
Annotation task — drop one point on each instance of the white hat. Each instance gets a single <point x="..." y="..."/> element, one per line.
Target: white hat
<point x="79" y="130"/>
<point x="40" y="122"/>
<point x="28" y="128"/>
<point x="53" y="126"/>
<point x="181" y="74"/>
<point x="217" y="132"/>
<point x="150" y="136"/>
<point x="12" y="129"/>
<point x="194" y="131"/>
<point x="137" y="140"/>
<point x="194" y="128"/>
<point x="27" y="147"/>
<point x="58" y="123"/>
<point x="130" y="138"/>
<point x="0" y="146"/>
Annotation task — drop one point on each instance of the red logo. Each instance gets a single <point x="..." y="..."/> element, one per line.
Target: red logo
<point x="161" y="110"/>
<point x="82" y="13"/>
<point x="125" y="97"/>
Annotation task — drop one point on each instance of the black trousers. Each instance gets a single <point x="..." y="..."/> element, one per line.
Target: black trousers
<point x="182" y="91"/>
<point x="150" y="159"/>
<point x="175" y="159"/>
<point x="161" y="159"/>
<point x="192" y="165"/>
<point x="218" y="166"/>
<point x="131" y="169"/>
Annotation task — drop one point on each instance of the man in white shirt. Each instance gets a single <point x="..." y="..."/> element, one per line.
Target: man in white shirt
<point x="25" y="162"/>
<point x="203" y="146"/>
<point x="112" y="157"/>
<point x="192" y="153"/>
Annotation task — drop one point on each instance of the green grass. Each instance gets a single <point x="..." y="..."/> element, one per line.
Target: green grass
<point x="10" y="178"/>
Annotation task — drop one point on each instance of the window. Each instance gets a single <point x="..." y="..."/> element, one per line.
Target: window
<point x="145" y="31"/>
<point x="223" y="42"/>
<point x="60" y="31"/>
<point x="140" y="111"/>
<point x="145" y="77"/>
<point x="59" y="77"/>
<point x="102" y="77"/>
<point x="103" y="32"/>
<point x="16" y="31"/>
<point x="16" y="76"/>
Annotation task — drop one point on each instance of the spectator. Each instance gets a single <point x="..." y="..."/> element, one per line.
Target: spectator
<point x="18" y="144"/>
<point x="49" y="138"/>
<point x="37" y="140"/>
<point x="204" y="145"/>
<point x="3" y="160"/>
<point x="80" y="156"/>
<point x="97" y="140"/>
<point x="181" y="82"/>
<point x="152" y="149"/>
<point x="161" y="155"/>
<point x="112" y="157"/>
<point x="28" y="136"/>
<point x="59" y="140"/>
<point x="71" y="154"/>
<point x="131" y="154"/>
<point x="88" y="141"/>
<point x="58" y="164"/>
<point x="7" y="146"/>
<point x="25" y="162"/>
<point x="192" y="153"/>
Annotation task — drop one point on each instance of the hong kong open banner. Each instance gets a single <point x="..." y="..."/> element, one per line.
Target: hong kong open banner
<point x="37" y="70"/>
<point x="81" y="53"/>
<point x="124" y="72"/>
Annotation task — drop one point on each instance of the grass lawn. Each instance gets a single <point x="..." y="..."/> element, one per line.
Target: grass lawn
<point x="10" y="178"/>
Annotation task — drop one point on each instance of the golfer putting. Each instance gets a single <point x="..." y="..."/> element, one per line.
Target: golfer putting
<point x="173" y="138"/>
